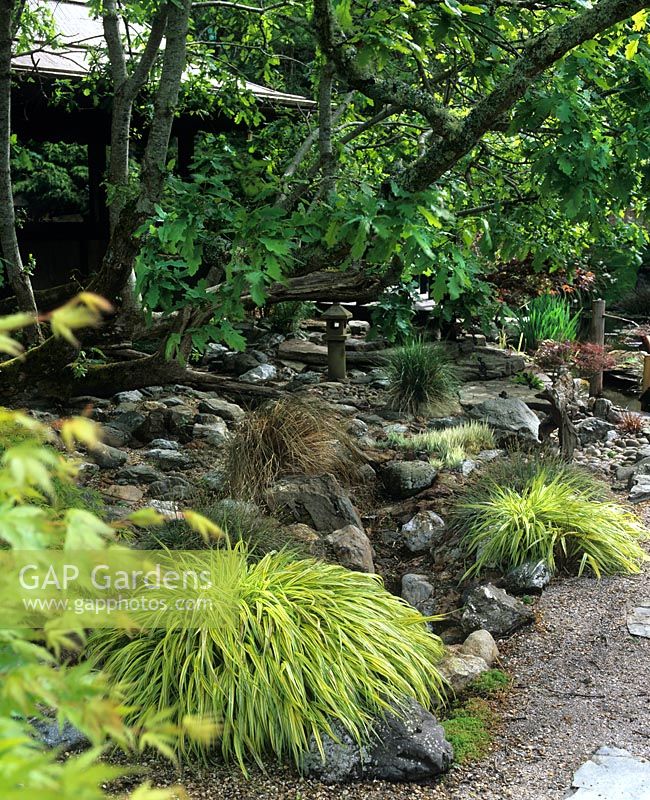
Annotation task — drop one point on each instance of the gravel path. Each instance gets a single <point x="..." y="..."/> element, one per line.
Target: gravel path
<point x="580" y="682"/>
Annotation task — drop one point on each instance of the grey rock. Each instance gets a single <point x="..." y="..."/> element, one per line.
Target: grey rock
<point x="493" y="610"/>
<point x="357" y="427"/>
<point x="396" y="429"/>
<point x="405" y="747"/>
<point x="128" y="421"/>
<point x="602" y="407"/>
<point x="318" y="501"/>
<point x="467" y="467"/>
<point x="179" y="421"/>
<point x="222" y="408"/>
<point x="108" y="457"/>
<point x="214" y="480"/>
<point x="491" y="363"/>
<point x="164" y="444"/>
<point x="593" y="430"/>
<point x="481" y="643"/>
<point x="423" y="531"/>
<point x="114" y="437"/>
<point x="404" y="479"/>
<point x="169" y="459"/>
<point x="531" y="577"/>
<point x="133" y="396"/>
<point x="261" y="374"/>
<point x="174" y="402"/>
<point x="443" y="423"/>
<point x="307" y="378"/>
<point x="640" y="491"/>
<point x="510" y="417"/>
<point x="352" y="548"/>
<point x="418" y="592"/>
<point x="460" y="669"/>
<point x="485" y="456"/>
<point x="172" y="488"/>
<point x="153" y="426"/>
<point x="215" y="434"/>
<point x="86" y="471"/>
<point x="638" y="621"/>
<point x="241" y="363"/>
<point x="612" y="774"/>
<point x="138" y="473"/>
<point x="65" y="737"/>
<point x="643" y="452"/>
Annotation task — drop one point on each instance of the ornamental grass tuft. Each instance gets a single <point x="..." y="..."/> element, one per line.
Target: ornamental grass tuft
<point x="287" y="437"/>
<point x="548" y="317"/>
<point x="421" y="378"/>
<point x="450" y="446"/>
<point x="308" y="643"/>
<point x="553" y="519"/>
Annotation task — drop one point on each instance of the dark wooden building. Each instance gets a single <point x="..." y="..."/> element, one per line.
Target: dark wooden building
<point x="61" y="244"/>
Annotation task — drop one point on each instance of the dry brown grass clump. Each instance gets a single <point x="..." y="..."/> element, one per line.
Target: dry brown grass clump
<point x="287" y="437"/>
<point x="631" y="423"/>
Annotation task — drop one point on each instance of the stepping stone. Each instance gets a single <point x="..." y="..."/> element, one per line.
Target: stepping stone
<point x="612" y="774"/>
<point x="638" y="621"/>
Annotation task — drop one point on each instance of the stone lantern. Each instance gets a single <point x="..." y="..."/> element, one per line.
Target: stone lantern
<point x="336" y="318"/>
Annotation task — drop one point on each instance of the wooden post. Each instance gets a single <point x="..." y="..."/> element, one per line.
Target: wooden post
<point x="645" y="384"/>
<point x="597" y="336"/>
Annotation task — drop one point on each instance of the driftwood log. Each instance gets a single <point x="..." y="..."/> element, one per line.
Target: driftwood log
<point x="560" y="396"/>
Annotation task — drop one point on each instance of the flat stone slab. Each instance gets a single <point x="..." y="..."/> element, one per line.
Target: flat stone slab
<point x="638" y="621"/>
<point x="612" y="774"/>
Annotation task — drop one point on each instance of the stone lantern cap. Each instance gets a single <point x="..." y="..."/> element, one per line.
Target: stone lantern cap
<point x="336" y="313"/>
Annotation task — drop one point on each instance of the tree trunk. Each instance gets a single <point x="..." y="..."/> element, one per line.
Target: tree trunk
<point x="16" y="273"/>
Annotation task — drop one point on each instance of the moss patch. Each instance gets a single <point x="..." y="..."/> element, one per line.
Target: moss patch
<point x="469" y="730"/>
<point x="489" y="683"/>
<point x="470" y="724"/>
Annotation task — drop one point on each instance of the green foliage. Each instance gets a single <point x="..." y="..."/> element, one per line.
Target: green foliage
<point x="529" y="379"/>
<point x="51" y="178"/>
<point x="548" y="317"/>
<point x="552" y="520"/>
<point x="392" y="315"/>
<point x="286" y="317"/>
<point x="516" y="472"/>
<point x="311" y="642"/>
<point x="421" y="377"/>
<point x="35" y="684"/>
<point x="494" y="681"/>
<point x="469" y="730"/>
<point x="240" y="521"/>
<point x="450" y="446"/>
<point x="39" y="677"/>
<point x="287" y="437"/>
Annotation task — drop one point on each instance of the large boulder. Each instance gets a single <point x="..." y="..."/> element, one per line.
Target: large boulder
<point x="404" y="479"/>
<point x="423" y="531"/>
<point x="352" y="548"/>
<point x="509" y="417"/>
<point x="318" y="501"/>
<point x="406" y="747"/>
<point x="495" y="611"/>
<point x="593" y="430"/>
